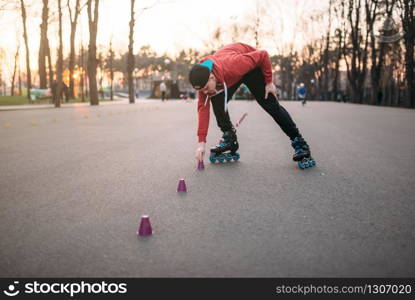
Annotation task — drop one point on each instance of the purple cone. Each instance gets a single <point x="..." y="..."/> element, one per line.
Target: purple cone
<point x="145" y="227"/>
<point x="182" y="186"/>
<point x="200" y="165"/>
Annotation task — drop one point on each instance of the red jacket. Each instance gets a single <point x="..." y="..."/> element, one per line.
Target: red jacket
<point x="230" y="64"/>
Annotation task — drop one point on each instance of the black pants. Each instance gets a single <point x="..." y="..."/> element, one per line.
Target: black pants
<point x="254" y="80"/>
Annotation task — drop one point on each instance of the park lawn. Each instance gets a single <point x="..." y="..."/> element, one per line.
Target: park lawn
<point x="22" y="100"/>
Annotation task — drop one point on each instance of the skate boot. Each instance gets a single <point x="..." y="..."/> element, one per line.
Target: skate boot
<point x="226" y="150"/>
<point x="302" y="153"/>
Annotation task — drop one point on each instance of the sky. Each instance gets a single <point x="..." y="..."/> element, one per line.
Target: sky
<point x="166" y="25"/>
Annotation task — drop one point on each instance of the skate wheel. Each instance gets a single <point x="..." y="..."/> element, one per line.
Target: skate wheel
<point x="221" y="158"/>
<point x="301" y="165"/>
<point x="228" y="157"/>
<point x="212" y="158"/>
<point x="236" y="157"/>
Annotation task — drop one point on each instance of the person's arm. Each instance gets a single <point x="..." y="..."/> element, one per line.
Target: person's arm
<point x="203" y="117"/>
<point x="203" y="125"/>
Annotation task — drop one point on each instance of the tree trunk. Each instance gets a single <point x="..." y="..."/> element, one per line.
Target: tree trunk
<point x="51" y="77"/>
<point x="73" y="22"/>
<point x="59" y="65"/>
<point x="16" y="58"/>
<point x="28" y="81"/>
<point x="20" y="83"/>
<point x="111" y="63"/>
<point x="337" y="64"/>
<point x="101" y="75"/>
<point x="1" y="81"/>
<point x="326" y="59"/>
<point x="82" y="81"/>
<point x="409" y="70"/>
<point x="408" y="22"/>
<point x="130" y="61"/>
<point x="92" y="52"/>
<point x="43" y="46"/>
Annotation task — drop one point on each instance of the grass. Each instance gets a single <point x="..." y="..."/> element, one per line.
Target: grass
<point x="22" y="100"/>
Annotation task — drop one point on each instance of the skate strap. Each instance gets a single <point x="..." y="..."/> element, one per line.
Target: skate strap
<point x="226" y="96"/>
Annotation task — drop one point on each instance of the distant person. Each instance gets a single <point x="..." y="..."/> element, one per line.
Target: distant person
<point x="64" y="91"/>
<point x="163" y="89"/>
<point x="217" y="77"/>
<point x="192" y="95"/>
<point x="302" y="92"/>
<point x="379" y="97"/>
<point x="54" y="88"/>
<point x="339" y="97"/>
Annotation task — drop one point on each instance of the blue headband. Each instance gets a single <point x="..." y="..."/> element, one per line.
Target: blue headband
<point x="208" y="63"/>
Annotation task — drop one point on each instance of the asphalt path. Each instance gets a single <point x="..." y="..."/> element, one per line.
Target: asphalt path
<point x="75" y="181"/>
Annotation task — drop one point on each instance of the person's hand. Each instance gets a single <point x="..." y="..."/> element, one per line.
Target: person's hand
<point x="200" y="151"/>
<point x="270" y="89"/>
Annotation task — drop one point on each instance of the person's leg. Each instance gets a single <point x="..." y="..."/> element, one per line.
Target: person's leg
<point x="222" y="118"/>
<point x="254" y="80"/>
<point x="228" y="145"/>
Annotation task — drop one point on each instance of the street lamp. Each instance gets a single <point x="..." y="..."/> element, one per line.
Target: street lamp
<point x="312" y="88"/>
<point x="167" y="63"/>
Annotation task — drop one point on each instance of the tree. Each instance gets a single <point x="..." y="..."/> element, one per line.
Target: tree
<point x="50" y="66"/>
<point x="326" y="58"/>
<point x="82" y="68"/>
<point x="2" y="54"/>
<point x="73" y="17"/>
<point x="43" y="46"/>
<point x="408" y="22"/>
<point x="101" y="64"/>
<point x="28" y="75"/>
<point x="378" y="56"/>
<point x="16" y="60"/>
<point x="59" y="65"/>
<point x="130" y="60"/>
<point x="20" y="83"/>
<point x="339" y="40"/>
<point x="92" y="51"/>
<point x="111" y="70"/>
<point x="357" y="53"/>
